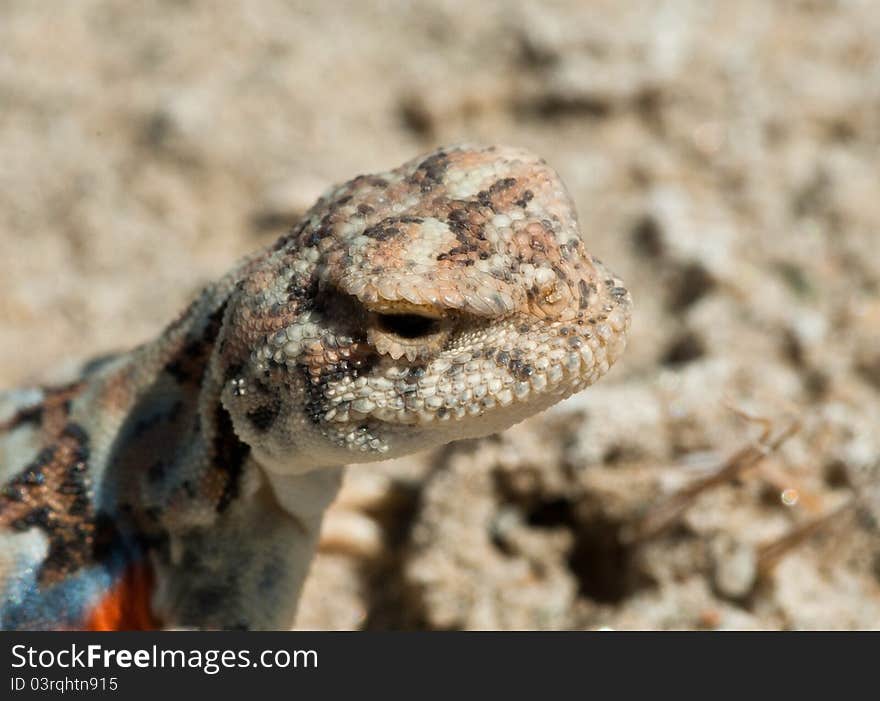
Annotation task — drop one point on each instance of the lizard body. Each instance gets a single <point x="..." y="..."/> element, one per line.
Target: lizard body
<point x="182" y="484"/>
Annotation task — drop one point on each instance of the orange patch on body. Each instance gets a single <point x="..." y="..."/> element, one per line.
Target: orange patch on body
<point x="127" y="605"/>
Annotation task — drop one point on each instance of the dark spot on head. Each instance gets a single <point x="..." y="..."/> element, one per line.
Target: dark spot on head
<point x="302" y="291"/>
<point x="501" y="185"/>
<point x="381" y="233"/>
<point x="431" y="171"/>
<point x="526" y="197"/>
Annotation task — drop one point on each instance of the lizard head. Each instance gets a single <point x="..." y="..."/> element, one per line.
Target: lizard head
<point x="449" y="298"/>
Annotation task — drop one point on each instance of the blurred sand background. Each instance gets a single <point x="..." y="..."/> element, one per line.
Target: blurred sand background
<point x="724" y="161"/>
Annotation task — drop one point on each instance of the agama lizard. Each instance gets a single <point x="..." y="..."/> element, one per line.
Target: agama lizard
<point x="182" y="484"/>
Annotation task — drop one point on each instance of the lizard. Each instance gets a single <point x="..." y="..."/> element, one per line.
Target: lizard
<point x="183" y="483"/>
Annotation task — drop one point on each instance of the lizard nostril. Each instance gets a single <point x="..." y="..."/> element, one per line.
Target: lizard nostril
<point x="407" y="325"/>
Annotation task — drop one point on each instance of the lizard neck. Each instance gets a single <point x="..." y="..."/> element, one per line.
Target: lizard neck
<point x="306" y="495"/>
<point x="164" y="446"/>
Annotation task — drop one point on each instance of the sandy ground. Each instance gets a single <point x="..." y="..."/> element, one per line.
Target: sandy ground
<point x="723" y="157"/>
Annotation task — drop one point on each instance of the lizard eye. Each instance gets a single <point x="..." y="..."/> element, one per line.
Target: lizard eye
<point x="408" y="334"/>
<point x="409" y="326"/>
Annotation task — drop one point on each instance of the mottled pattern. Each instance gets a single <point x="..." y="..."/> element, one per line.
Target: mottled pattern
<point x="449" y="298"/>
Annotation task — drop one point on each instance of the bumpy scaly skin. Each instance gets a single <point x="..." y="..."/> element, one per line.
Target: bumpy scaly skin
<point x="183" y="483"/>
